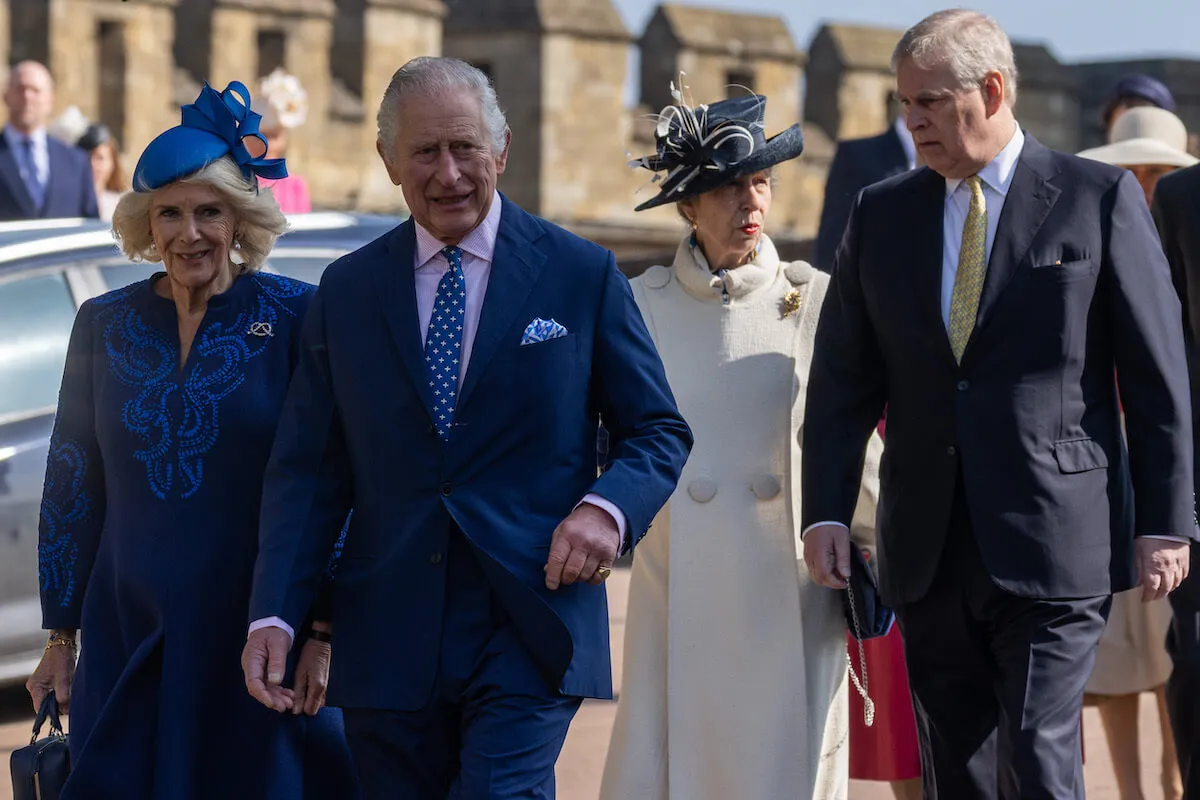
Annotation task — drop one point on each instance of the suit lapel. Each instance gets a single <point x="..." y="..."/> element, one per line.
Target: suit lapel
<point x="928" y="210"/>
<point x="10" y="175"/>
<point x="397" y="294"/>
<point x="1030" y="198"/>
<point x="516" y="266"/>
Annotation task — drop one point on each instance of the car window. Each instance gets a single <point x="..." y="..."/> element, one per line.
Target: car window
<point x="120" y="275"/>
<point x="302" y="268"/>
<point x="36" y="313"/>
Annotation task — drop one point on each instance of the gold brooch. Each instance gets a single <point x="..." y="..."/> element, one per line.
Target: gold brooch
<point x="791" y="303"/>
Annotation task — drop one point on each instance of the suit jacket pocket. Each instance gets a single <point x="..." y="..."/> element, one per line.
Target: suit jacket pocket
<point x="1064" y="270"/>
<point x="1079" y="455"/>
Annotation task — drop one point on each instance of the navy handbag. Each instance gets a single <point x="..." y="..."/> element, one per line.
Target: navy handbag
<point x="40" y="769"/>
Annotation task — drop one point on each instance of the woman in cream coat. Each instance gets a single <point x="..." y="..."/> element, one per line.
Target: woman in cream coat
<point x="735" y="664"/>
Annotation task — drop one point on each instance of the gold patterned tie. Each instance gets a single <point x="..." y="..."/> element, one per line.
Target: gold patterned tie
<point x="972" y="266"/>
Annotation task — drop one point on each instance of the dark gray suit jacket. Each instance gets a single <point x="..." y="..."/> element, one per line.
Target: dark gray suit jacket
<point x="857" y="164"/>
<point x="1077" y="293"/>
<point x="69" y="190"/>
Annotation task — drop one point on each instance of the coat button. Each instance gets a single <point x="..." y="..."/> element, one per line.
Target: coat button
<point x="446" y="490"/>
<point x="765" y="486"/>
<point x="435" y="557"/>
<point x="951" y="450"/>
<point x="964" y="385"/>
<point x="702" y="489"/>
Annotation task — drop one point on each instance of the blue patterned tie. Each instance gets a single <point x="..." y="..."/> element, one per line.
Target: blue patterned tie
<point x="33" y="181"/>
<point x="443" y="341"/>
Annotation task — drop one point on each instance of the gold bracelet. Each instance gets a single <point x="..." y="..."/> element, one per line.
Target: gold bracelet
<point x="58" y="640"/>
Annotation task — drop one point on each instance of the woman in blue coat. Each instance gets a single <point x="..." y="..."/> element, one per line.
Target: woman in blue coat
<point x="149" y="527"/>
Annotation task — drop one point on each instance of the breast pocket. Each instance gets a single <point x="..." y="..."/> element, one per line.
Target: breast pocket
<point x="1063" y="270"/>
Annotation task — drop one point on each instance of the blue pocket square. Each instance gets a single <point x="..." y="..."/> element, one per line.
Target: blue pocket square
<point x="542" y="330"/>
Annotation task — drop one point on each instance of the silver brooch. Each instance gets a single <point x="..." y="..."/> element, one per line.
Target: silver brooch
<point x="260" y="329"/>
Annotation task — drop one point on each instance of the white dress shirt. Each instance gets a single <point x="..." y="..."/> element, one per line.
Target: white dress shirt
<point x="906" y="141"/>
<point x="430" y="264"/>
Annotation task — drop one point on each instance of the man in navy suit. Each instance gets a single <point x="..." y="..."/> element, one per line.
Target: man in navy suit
<point x="1176" y="210"/>
<point x="449" y="389"/>
<point x="995" y="301"/>
<point x="40" y="177"/>
<point x="857" y="164"/>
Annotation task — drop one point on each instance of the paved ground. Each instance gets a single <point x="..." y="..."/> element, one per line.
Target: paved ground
<point x="582" y="760"/>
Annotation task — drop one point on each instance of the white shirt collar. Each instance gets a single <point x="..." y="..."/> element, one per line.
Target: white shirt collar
<point x="997" y="174"/>
<point x="906" y="140"/>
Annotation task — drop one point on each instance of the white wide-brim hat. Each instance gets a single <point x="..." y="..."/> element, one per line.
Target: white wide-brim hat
<point x="1145" y="135"/>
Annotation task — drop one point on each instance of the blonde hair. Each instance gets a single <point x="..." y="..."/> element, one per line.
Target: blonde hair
<point x="259" y="222"/>
<point x="971" y="44"/>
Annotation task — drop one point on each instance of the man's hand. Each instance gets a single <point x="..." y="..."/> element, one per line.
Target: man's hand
<point x="263" y="661"/>
<point x="584" y="541"/>
<point x="827" y="555"/>
<point x="55" y="673"/>
<point x="1161" y="565"/>
<point x="312" y="678"/>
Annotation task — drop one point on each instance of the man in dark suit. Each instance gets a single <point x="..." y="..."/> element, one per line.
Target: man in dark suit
<point x="451" y="381"/>
<point x="40" y="177"/>
<point x="1177" y="212"/>
<point x="993" y="301"/>
<point x="857" y="164"/>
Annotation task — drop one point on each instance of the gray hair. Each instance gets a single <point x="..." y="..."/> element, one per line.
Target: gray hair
<point x="433" y="74"/>
<point x="970" y="43"/>
<point x="259" y="220"/>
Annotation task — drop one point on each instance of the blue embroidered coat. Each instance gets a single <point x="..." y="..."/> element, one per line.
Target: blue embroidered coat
<point x="149" y="533"/>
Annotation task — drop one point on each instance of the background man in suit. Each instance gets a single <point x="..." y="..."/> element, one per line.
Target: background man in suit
<point x="857" y="164"/>
<point x="1177" y="213"/>
<point x="449" y="391"/>
<point x="989" y="300"/>
<point x="40" y="177"/>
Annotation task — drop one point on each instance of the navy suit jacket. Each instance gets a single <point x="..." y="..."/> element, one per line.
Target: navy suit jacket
<point x="1077" y="297"/>
<point x="356" y="431"/>
<point x="69" y="189"/>
<point x="857" y="164"/>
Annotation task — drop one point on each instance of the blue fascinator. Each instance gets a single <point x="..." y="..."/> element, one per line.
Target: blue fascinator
<point x="212" y="127"/>
<point x="701" y="148"/>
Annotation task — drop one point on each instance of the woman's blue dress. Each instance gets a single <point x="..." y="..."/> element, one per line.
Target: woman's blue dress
<point x="149" y="533"/>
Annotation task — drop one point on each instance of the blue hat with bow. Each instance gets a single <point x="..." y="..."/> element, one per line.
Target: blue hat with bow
<point x="212" y="127"/>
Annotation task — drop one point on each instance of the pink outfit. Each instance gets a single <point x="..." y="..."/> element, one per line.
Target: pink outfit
<point x="291" y="193"/>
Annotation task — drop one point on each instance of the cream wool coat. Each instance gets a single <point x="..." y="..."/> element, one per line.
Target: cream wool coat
<point x="734" y="682"/>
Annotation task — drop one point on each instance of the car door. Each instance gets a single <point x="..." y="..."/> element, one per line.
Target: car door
<point x="37" y="309"/>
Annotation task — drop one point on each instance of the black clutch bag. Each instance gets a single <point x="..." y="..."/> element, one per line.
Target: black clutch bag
<point x="40" y="769"/>
<point x="866" y="615"/>
<point x="866" y="618"/>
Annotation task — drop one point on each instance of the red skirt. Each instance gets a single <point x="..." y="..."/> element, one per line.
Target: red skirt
<point x="888" y="750"/>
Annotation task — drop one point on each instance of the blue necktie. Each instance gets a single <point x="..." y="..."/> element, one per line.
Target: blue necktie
<point x="32" y="182"/>
<point x="443" y="340"/>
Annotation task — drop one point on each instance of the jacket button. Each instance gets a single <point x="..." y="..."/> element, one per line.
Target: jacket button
<point x="964" y="385"/>
<point x="951" y="450"/>
<point x="446" y="490"/>
<point x="765" y="486"/>
<point x="702" y="489"/>
<point x="435" y="557"/>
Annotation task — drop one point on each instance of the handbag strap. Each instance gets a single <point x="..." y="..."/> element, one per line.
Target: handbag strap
<point x="861" y="686"/>
<point x="48" y="710"/>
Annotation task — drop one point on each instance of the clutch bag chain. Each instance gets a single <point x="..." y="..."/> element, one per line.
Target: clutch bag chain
<point x="864" y="685"/>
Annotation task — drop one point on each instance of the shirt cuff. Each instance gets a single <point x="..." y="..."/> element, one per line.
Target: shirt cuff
<point x="617" y="514"/>
<point x="1179" y="539"/>
<point x="819" y="524"/>
<point x="272" y="622"/>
